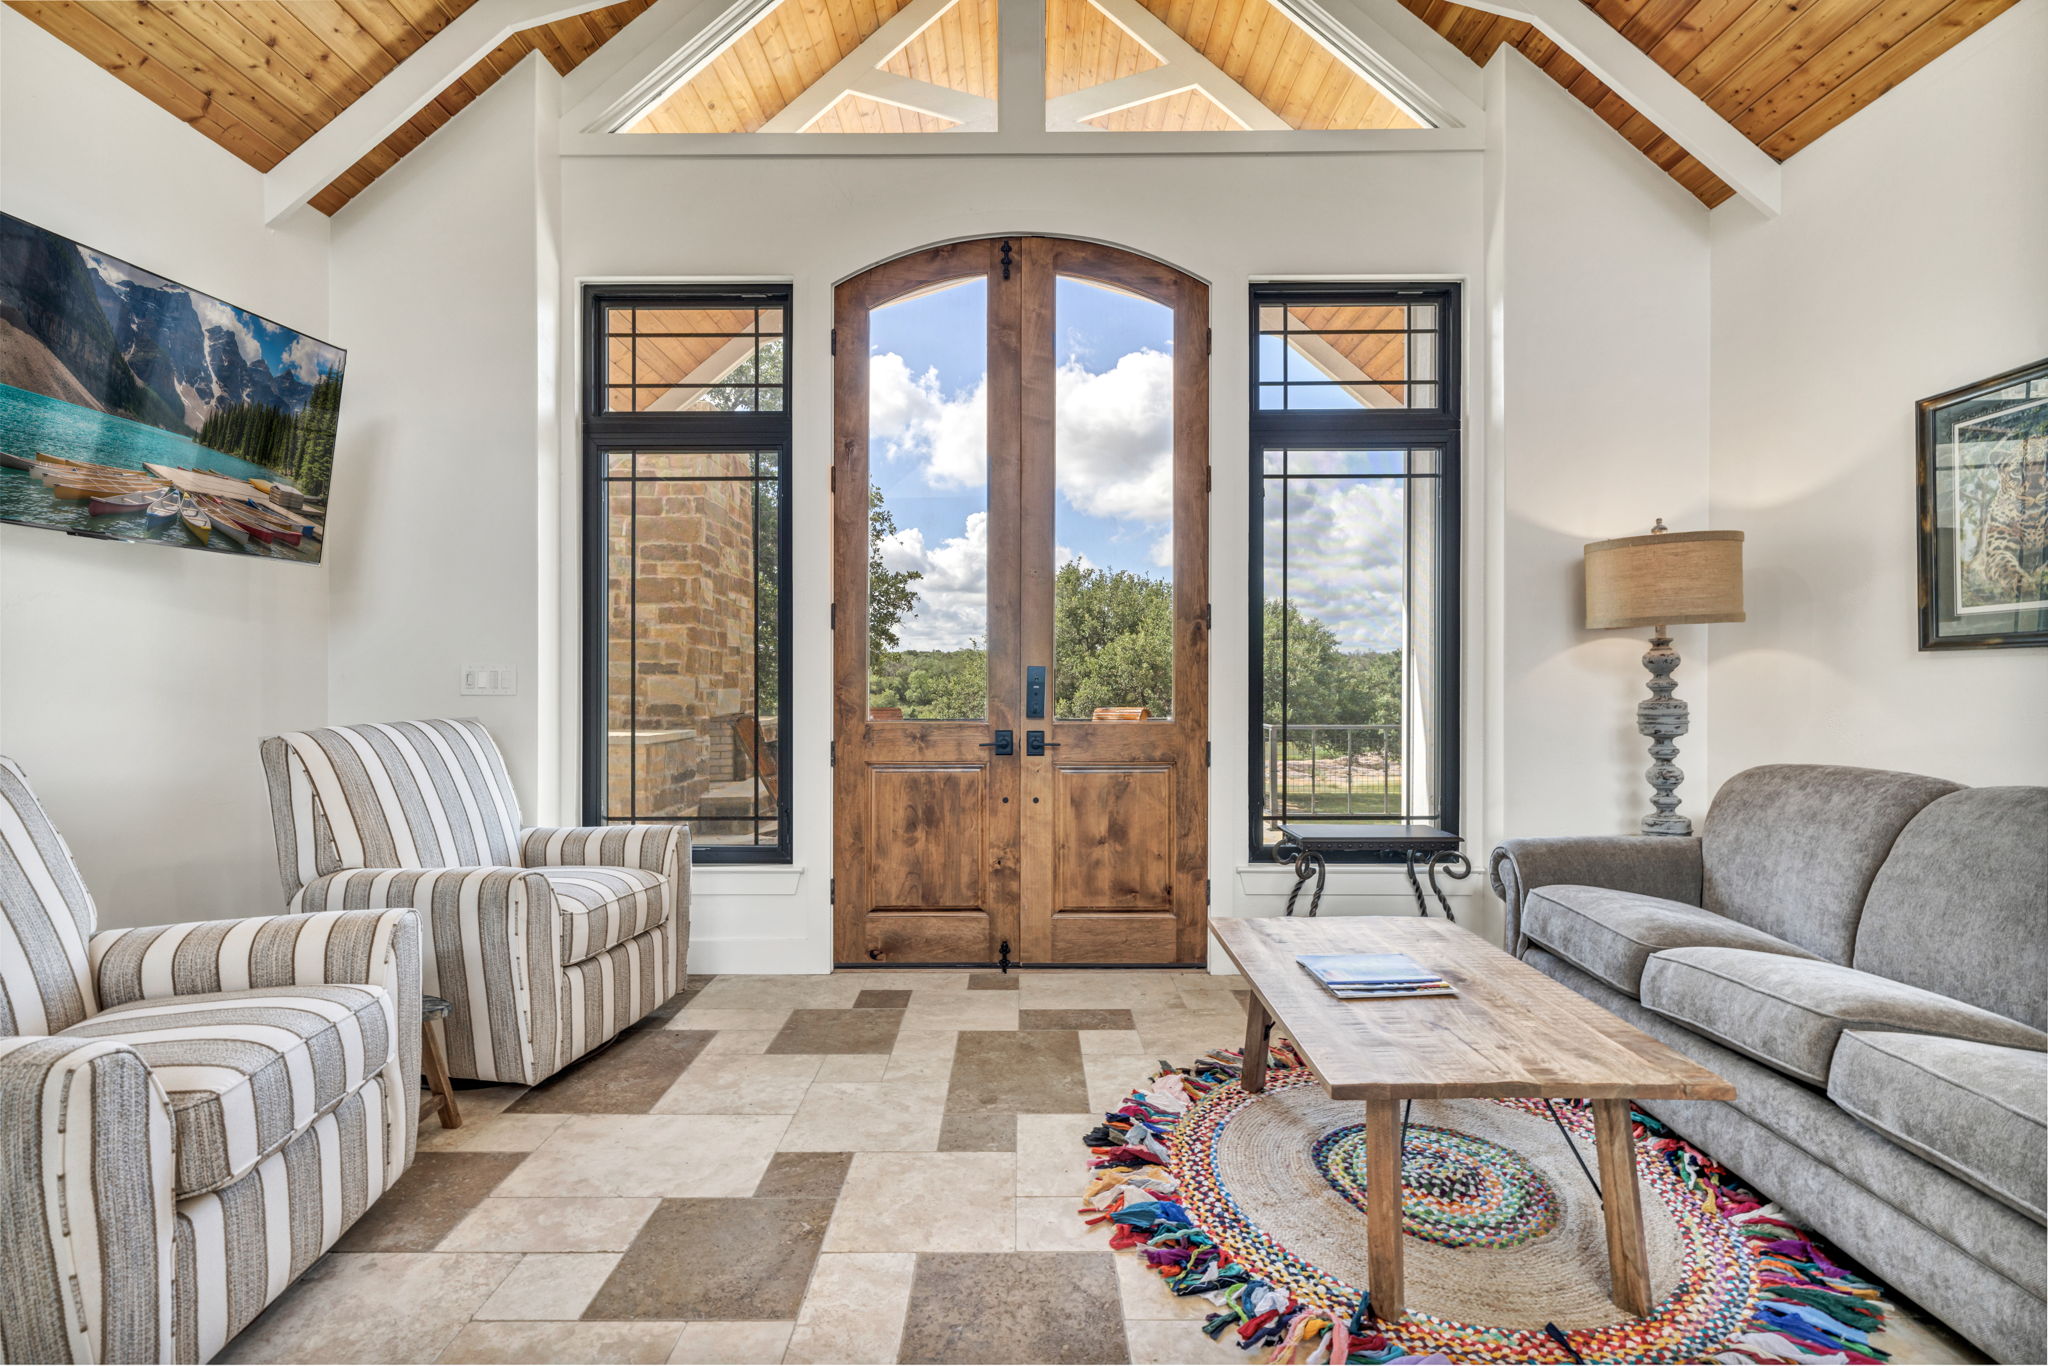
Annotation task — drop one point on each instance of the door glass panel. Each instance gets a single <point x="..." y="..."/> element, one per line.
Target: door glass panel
<point x="928" y="505"/>
<point x="1349" y="714"/>
<point x="1113" y="505"/>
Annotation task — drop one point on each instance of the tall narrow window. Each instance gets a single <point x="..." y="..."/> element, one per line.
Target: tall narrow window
<point x="686" y="533"/>
<point x="1355" y="557"/>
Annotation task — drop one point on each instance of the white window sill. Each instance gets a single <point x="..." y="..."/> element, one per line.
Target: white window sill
<point x="739" y="879"/>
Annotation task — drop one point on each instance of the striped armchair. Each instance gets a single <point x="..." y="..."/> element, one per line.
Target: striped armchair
<point x="189" y="1114"/>
<point x="545" y="942"/>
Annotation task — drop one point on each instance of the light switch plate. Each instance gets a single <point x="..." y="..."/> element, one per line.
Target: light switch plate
<point x="489" y="680"/>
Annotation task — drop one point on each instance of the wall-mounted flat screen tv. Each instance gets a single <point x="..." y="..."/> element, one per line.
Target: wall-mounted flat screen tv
<point x="135" y="409"/>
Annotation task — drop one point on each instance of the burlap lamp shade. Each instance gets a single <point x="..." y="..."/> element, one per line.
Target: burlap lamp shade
<point x="1667" y="578"/>
<point x="1670" y="578"/>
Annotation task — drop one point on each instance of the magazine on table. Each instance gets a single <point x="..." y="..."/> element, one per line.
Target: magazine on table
<point x="1369" y="976"/>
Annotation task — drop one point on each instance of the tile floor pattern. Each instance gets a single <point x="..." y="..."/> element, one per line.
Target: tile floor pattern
<point x="875" y="1166"/>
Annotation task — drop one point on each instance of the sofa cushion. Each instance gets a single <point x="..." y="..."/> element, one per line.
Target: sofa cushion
<point x="1961" y="906"/>
<point x="245" y="1071"/>
<point x="604" y="907"/>
<point x="1791" y="1012"/>
<point x="1791" y="849"/>
<point x="1612" y="934"/>
<point x="1975" y="1110"/>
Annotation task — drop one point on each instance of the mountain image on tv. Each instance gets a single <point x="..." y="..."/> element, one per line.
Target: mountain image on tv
<point x="134" y="408"/>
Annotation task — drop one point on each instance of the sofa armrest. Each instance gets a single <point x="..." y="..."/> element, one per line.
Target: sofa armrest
<point x="656" y="848"/>
<point x="489" y="942"/>
<point x="1665" y="866"/>
<point x="86" y="1212"/>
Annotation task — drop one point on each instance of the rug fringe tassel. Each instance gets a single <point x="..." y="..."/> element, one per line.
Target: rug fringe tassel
<point x="1808" y="1309"/>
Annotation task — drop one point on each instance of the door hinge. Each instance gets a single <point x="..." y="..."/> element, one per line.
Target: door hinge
<point x="832" y="618"/>
<point x="1208" y="754"/>
<point x="835" y="341"/>
<point x="832" y="478"/>
<point x="1208" y="616"/>
<point x="1208" y="891"/>
<point x="831" y="754"/>
<point x="832" y="892"/>
<point x="1208" y="478"/>
<point x="1208" y="341"/>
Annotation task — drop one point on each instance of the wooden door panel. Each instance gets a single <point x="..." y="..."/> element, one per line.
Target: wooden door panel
<point x="928" y="937"/>
<point x="1116" y="937"/>
<point x="1114" y="840"/>
<point x="928" y="838"/>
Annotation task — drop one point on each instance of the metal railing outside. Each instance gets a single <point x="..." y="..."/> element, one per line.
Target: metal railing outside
<point x="1333" y="770"/>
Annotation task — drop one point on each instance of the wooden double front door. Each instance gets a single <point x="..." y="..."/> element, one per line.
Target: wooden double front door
<point x="1020" y="492"/>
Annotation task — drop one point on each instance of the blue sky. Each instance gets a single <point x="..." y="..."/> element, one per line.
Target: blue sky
<point x="928" y="453"/>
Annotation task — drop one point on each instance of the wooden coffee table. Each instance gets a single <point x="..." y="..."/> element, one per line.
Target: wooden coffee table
<point x="1510" y="1031"/>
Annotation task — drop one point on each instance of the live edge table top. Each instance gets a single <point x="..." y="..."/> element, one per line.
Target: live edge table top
<point x="1510" y="1030"/>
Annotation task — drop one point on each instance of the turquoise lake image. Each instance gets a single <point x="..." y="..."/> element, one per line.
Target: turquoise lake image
<point x="31" y="424"/>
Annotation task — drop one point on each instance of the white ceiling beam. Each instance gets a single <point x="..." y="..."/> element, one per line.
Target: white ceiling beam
<point x="384" y="108"/>
<point x="1654" y="93"/>
<point x="1195" y="69"/>
<point x="846" y="74"/>
<point x="659" y="52"/>
<point x="972" y="113"/>
<point x="1072" y="111"/>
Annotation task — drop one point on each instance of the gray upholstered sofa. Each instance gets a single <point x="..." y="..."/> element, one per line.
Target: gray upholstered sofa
<point x="1865" y="955"/>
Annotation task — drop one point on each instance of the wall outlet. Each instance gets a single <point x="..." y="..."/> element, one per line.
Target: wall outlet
<point x="489" y="680"/>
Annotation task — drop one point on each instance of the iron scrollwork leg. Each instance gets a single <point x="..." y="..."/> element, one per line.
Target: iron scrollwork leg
<point x="1307" y="864"/>
<point x="1421" y="906"/>
<point x="1456" y="866"/>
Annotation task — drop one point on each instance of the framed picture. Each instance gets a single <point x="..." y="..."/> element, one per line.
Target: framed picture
<point x="1984" y="513"/>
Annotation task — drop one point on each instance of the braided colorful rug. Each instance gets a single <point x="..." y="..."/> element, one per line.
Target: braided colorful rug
<point x="1256" y="1202"/>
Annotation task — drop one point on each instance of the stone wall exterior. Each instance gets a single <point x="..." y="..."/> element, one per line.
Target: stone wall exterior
<point x="692" y="647"/>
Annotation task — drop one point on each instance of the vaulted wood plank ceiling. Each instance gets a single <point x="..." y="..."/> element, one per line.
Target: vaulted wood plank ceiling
<point x="259" y="77"/>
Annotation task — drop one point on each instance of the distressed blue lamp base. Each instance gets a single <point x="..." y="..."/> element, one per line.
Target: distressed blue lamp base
<point x="1663" y="718"/>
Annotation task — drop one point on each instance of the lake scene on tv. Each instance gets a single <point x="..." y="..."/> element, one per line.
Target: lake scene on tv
<point x="135" y="409"/>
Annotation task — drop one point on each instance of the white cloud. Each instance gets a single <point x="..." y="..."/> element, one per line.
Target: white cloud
<point x="952" y="597"/>
<point x="1114" y="441"/>
<point x="1345" y="557"/>
<point x="310" y="359"/>
<point x="213" y="313"/>
<point x="913" y="416"/>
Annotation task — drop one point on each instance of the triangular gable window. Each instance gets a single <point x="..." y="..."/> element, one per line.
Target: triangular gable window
<point x="929" y="66"/>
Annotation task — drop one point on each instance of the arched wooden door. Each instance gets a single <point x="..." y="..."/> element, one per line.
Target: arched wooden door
<point x="1020" y="488"/>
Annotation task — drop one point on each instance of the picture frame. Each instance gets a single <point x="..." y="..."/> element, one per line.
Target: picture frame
<point x="1983" y="513"/>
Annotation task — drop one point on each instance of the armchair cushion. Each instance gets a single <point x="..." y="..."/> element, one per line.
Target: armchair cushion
<point x="1977" y="1111"/>
<point x="1612" y="934"/>
<point x="604" y="907"/>
<point x="1790" y="1013"/>
<point x="246" y="1071"/>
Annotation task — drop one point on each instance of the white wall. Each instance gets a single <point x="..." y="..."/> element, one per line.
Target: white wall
<point x="136" y="681"/>
<point x="445" y="288"/>
<point x="1909" y="260"/>
<point x="1598" y="299"/>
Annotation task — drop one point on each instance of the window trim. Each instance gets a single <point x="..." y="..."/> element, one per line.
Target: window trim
<point x="1440" y="428"/>
<point x="707" y="432"/>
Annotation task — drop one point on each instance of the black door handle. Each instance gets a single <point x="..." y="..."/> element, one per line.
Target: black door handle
<point x="1036" y="743"/>
<point x="1004" y="743"/>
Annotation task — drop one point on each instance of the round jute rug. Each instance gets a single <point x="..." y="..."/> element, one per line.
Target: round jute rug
<point x="1257" y="1202"/>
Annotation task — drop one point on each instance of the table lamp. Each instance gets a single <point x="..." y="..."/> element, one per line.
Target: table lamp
<point x="1667" y="578"/>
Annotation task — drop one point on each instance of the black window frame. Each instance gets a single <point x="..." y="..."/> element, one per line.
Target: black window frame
<point x="1438" y="428"/>
<point x="681" y="433"/>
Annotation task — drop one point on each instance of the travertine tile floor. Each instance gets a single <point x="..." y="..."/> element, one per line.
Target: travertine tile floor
<point x="868" y="1167"/>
